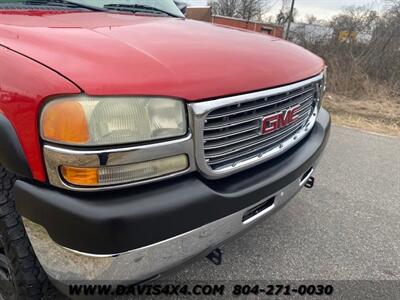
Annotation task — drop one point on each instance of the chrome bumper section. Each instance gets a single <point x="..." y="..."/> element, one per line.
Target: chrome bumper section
<point x="66" y="265"/>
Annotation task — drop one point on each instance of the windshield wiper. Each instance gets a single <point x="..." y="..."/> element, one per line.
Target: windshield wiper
<point x="138" y="8"/>
<point x="65" y="3"/>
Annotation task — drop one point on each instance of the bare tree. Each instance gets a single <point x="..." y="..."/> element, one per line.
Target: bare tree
<point x="250" y="9"/>
<point x="243" y="9"/>
<point x="285" y="5"/>
<point x="224" y="7"/>
<point x="355" y="19"/>
<point x="382" y="59"/>
<point x="283" y="16"/>
<point x="369" y="60"/>
<point x="311" y="19"/>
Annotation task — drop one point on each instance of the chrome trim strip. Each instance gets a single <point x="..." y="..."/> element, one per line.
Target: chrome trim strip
<point x="56" y="156"/>
<point x="203" y="108"/>
<point x="66" y="265"/>
<point x="200" y="110"/>
<point x="87" y="151"/>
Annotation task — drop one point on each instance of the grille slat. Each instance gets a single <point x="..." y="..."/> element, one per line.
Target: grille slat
<point x="232" y="133"/>
<point x="216" y="115"/>
<point x="221" y="134"/>
<point x="231" y="143"/>
<point x="303" y="112"/>
<point x="221" y="124"/>
<point x="259" y="139"/>
<point x="258" y="150"/>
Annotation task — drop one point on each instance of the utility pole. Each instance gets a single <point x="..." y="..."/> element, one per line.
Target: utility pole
<point x="289" y="20"/>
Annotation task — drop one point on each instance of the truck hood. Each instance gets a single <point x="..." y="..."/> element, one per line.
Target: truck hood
<point x="118" y="54"/>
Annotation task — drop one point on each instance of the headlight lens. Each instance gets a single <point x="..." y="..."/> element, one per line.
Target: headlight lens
<point x="93" y="121"/>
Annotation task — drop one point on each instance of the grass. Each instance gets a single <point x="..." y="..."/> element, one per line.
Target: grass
<point x="374" y="114"/>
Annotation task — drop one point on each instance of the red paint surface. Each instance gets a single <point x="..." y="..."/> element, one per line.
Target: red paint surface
<point x="23" y="86"/>
<point x="117" y="54"/>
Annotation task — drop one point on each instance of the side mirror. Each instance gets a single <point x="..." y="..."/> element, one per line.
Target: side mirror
<point x="182" y="6"/>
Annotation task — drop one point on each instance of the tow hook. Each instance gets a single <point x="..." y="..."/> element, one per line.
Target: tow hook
<point x="216" y="256"/>
<point x="310" y="182"/>
<point x="307" y="179"/>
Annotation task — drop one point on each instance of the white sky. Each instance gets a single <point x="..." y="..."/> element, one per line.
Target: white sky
<point x="322" y="9"/>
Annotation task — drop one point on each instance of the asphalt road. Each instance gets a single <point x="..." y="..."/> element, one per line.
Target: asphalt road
<point x="346" y="228"/>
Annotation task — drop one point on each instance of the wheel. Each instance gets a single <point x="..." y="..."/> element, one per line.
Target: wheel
<point x="21" y="275"/>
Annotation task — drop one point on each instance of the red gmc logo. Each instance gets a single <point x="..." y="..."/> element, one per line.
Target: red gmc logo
<point x="276" y="121"/>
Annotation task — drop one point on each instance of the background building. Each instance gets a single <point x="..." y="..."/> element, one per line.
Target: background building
<point x="204" y="14"/>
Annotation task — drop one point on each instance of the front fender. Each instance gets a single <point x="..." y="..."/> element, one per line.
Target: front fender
<point x="12" y="157"/>
<point x="24" y="87"/>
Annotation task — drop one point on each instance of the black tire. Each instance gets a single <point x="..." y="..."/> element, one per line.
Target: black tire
<point x="21" y="275"/>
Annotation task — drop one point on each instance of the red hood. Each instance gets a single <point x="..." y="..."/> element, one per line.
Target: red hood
<point x="108" y="54"/>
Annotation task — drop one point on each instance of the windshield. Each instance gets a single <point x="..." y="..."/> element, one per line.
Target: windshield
<point x="160" y="6"/>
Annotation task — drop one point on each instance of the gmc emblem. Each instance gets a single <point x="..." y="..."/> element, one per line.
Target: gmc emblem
<point x="276" y="121"/>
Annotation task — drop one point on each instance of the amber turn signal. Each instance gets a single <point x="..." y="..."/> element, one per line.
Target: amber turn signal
<point x="80" y="176"/>
<point x="111" y="175"/>
<point x="65" y="121"/>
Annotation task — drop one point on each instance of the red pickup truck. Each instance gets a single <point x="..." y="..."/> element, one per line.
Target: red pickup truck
<point x="133" y="140"/>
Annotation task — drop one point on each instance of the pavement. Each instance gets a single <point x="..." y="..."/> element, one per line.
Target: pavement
<point x="346" y="228"/>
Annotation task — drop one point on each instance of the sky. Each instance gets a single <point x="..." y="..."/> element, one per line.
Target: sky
<point x="322" y="9"/>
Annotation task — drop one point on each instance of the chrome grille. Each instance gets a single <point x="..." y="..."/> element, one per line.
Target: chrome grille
<point x="232" y="133"/>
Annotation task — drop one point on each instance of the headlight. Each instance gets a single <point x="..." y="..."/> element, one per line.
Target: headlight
<point x="93" y="121"/>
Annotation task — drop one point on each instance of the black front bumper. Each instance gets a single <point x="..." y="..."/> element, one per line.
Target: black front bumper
<point x="119" y="221"/>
